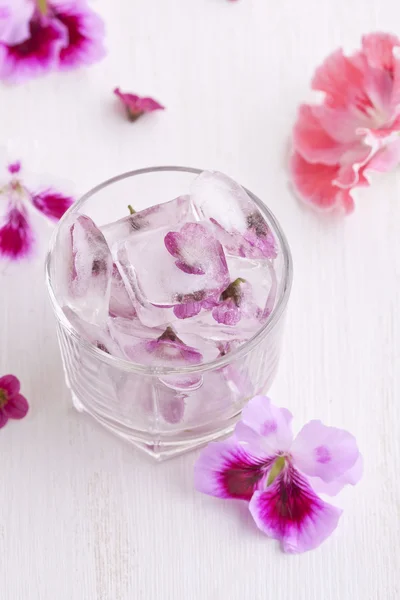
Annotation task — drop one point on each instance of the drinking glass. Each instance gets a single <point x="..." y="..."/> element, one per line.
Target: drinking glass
<point x="140" y="403"/>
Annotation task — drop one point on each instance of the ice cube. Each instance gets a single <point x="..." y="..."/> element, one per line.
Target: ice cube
<point x="237" y="222"/>
<point x="259" y="285"/>
<point x="120" y="303"/>
<point x="170" y="213"/>
<point x="83" y="269"/>
<point x="167" y="268"/>
<point x="96" y="335"/>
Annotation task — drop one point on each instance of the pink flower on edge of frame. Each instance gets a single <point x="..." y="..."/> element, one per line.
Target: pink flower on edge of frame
<point x="16" y="233"/>
<point x="62" y="34"/>
<point x="12" y="404"/>
<point x="85" y="30"/>
<point x="279" y="476"/>
<point x="354" y="129"/>
<point x="136" y="106"/>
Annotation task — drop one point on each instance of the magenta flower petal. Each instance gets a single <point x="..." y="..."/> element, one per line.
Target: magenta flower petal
<point x="51" y="203"/>
<point x="37" y="54"/>
<point x="273" y="424"/>
<point x="3" y="419"/>
<point x="14" y="168"/>
<point x="291" y="512"/>
<point x="135" y="106"/>
<point x="324" y="452"/>
<point x="85" y="33"/>
<point x="10" y="384"/>
<point x="16" y="235"/>
<point x="16" y="407"/>
<point x="12" y="404"/>
<point x="230" y="469"/>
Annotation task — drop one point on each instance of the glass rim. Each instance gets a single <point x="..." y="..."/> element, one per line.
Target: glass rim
<point x="128" y="366"/>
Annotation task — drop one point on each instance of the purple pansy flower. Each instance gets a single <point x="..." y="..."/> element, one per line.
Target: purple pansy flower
<point x="136" y="106"/>
<point x="38" y="36"/>
<point x="279" y="476"/>
<point x="12" y="404"/>
<point x="16" y="233"/>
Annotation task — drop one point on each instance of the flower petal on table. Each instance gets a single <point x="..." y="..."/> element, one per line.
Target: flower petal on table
<point x="325" y="452"/>
<point x="17" y="407"/>
<point x="10" y="384"/>
<point x="271" y="423"/>
<point x="290" y="511"/>
<point x="230" y="469"/>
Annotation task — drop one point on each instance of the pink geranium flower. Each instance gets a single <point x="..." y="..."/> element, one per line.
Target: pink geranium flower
<point x="40" y="36"/>
<point x="12" y="404"/>
<point x="281" y="477"/>
<point x="16" y="233"/>
<point x="355" y="128"/>
<point x="136" y="106"/>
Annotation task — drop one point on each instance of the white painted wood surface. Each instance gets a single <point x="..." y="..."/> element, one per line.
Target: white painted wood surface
<point x="82" y="515"/>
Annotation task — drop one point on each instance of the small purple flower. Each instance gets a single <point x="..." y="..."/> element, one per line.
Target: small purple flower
<point x="16" y="233"/>
<point x="166" y="350"/>
<point x="136" y="106"/>
<point x="280" y="477"/>
<point x="40" y="36"/>
<point x="234" y="303"/>
<point x="12" y="404"/>
<point x="198" y="252"/>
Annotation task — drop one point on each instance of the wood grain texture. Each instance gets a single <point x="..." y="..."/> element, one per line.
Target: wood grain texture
<point x="83" y="516"/>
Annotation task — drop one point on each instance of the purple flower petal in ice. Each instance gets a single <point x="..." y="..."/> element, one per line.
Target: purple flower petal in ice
<point x="12" y="404"/>
<point x="136" y="106"/>
<point x="166" y="350"/>
<point x="279" y="476"/>
<point x="197" y="252"/>
<point x="234" y="303"/>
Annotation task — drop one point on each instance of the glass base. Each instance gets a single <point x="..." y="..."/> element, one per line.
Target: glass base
<point x="161" y="447"/>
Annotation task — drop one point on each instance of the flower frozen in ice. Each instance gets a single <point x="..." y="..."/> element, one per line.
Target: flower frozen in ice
<point x="355" y="128"/>
<point x="136" y="106"/>
<point x="12" y="404"/>
<point x="36" y="37"/>
<point x="234" y="303"/>
<point x="16" y="232"/>
<point x="281" y="477"/>
<point x="198" y="252"/>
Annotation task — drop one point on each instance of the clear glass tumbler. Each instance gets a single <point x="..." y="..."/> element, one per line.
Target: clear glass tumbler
<point x="139" y="403"/>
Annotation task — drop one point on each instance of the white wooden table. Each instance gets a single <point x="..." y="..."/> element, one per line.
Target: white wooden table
<point x="82" y="515"/>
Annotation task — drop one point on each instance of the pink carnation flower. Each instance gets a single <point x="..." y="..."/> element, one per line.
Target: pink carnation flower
<point x="36" y="37"/>
<point x="354" y="129"/>
<point x="12" y="404"/>
<point x="16" y="233"/>
<point x="281" y="477"/>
